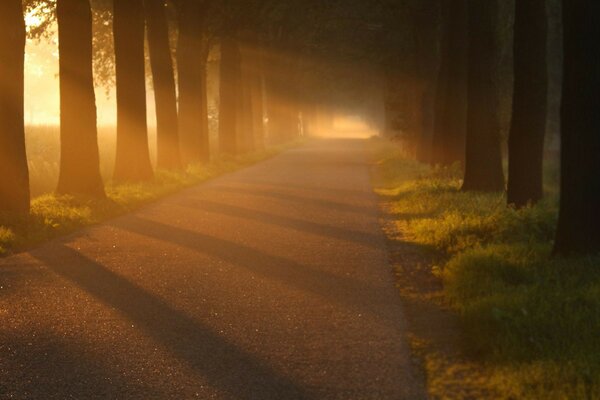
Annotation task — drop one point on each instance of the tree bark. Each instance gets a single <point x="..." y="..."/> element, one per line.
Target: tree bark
<point x="165" y="96"/>
<point x="132" y="162"/>
<point x="14" y="183"/>
<point x="450" y="121"/>
<point x="229" y="107"/>
<point x="247" y="140"/>
<point x="80" y="161"/>
<point x="192" y="53"/>
<point x="579" y="217"/>
<point x="528" y="126"/>
<point x="483" y="157"/>
<point x="257" y="88"/>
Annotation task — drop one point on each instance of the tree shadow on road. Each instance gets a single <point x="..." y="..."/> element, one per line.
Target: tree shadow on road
<point x="351" y="294"/>
<point x="301" y="225"/>
<point x="227" y="367"/>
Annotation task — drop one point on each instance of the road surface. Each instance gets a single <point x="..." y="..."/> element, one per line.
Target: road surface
<point x="269" y="283"/>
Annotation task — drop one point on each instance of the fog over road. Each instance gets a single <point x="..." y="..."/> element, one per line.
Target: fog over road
<point x="269" y="283"/>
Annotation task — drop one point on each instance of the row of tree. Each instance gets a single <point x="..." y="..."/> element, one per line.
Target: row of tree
<point x="180" y="88"/>
<point x="438" y="59"/>
<point x="455" y="81"/>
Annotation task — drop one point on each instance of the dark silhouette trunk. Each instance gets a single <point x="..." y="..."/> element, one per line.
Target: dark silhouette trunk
<point x="426" y="37"/>
<point x="191" y="66"/>
<point x="256" y="90"/>
<point x="528" y="126"/>
<point x="450" y="108"/>
<point x="230" y="95"/>
<point x="282" y="109"/>
<point x="79" y="159"/>
<point x="165" y="96"/>
<point x="14" y="182"/>
<point x="132" y="162"/>
<point x="579" y="217"/>
<point x="483" y="157"/>
<point x="247" y="141"/>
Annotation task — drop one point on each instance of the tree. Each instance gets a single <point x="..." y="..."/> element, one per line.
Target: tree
<point x="192" y="53"/>
<point x="579" y="216"/>
<point x="247" y="141"/>
<point x="528" y="126"/>
<point x="229" y="108"/>
<point x="483" y="156"/>
<point x="14" y="185"/>
<point x="132" y="162"/>
<point x="79" y="162"/>
<point x="450" y="121"/>
<point x="165" y="96"/>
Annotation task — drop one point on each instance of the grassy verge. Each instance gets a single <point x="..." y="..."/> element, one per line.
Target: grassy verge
<point x="531" y="321"/>
<point x="53" y="215"/>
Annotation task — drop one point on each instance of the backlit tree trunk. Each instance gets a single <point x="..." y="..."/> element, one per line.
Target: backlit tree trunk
<point x="191" y="66"/>
<point x="14" y="178"/>
<point x="579" y="216"/>
<point x="165" y="96"/>
<point x="229" y="96"/>
<point x="483" y="157"/>
<point x="79" y="161"/>
<point x="132" y="161"/>
<point x="247" y="140"/>
<point x="450" y="121"/>
<point x="528" y="127"/>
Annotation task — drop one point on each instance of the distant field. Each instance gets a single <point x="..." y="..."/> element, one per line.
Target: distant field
<point x="43" y="153"/>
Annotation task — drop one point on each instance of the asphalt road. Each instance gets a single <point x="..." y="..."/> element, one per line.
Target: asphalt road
<point x="269" y="283"/>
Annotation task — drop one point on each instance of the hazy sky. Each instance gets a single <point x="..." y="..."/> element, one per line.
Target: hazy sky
<point x="42" y="93"/>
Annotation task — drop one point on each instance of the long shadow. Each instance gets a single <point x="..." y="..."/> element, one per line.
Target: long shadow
<point x="47" y="366"/>
<point x="226" y="366"/>
<point x="294" y="198"/>
<point x="362" y="238"/>
<point x="356" y="193"/>
<point x="343" y="290"/>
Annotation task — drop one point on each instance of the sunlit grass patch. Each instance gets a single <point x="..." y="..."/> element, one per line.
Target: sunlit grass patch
<point x="532" y="320"/>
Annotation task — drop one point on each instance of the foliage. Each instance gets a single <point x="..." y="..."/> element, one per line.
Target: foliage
<point x="532" y="318"/>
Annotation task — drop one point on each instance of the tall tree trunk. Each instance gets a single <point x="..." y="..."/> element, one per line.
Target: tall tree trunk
<point x="165" y="96"/>
<point x="579" y="217"/>
<point x="450" y="123"/>
<point x="14" y="183"/>
<point x="256" y="89"/>
<point x="229" y="96"/>
<point x="247" y="141"/>
<point x="191" y="65"/>
<point x="79" y="159"/>
<point x="132" y="162"/>
<point x="483" y="158"/>
<point x="528" y="126"/>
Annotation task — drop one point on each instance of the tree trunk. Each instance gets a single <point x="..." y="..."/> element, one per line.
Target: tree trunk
<point x="79" y="161"/>
<point x="191" y="66"/>
<point x="247" y="140"/>
<point x="528" y="126"/>
<point x="229" y="96"/>
<point x="483" y="158"/>
<point x="257" y="88"/>
<point x="165" y="96"/>
<point x="579" y="217"/>
<point x="450" y="123"/>
<point x="14" y="184"/>
<point x="132" y="161"/>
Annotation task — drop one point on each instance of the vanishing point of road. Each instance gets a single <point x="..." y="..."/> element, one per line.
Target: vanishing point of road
<point x="272" y="282"/>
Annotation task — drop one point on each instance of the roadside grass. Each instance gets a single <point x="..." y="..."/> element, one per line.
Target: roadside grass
<point x="531" y="320"/>
<point x="53" y="215"/>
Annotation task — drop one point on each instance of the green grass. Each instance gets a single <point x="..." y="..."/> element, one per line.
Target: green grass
<point x="532" y="319"/>
<point x="52" y="215"/>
